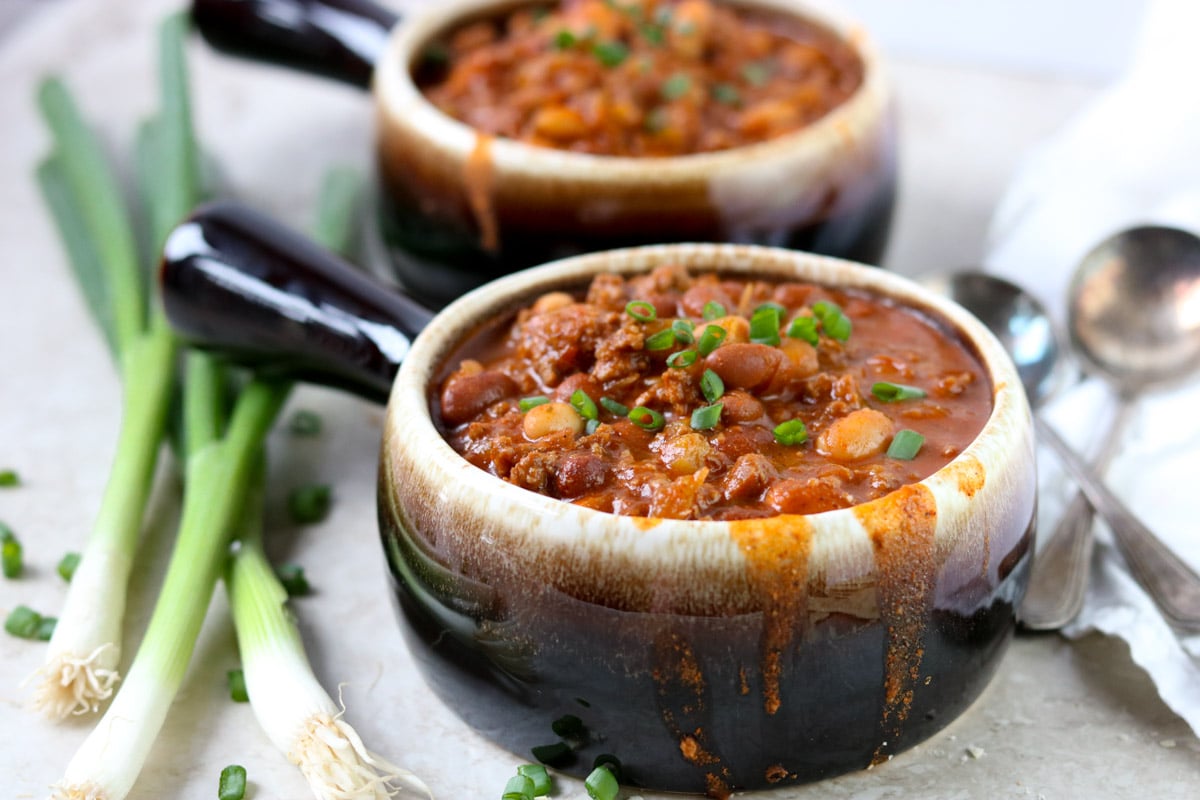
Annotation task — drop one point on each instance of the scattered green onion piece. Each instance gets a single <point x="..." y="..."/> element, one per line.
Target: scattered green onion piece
<point x="590" y="426"/>
<point x="833" y="320"/>
<point x="568" y="726"/>
<point x="519" y="787"/>
<point x="557" y="754"/>
<point x="706" y="417"/>
<point x="610" y="54"/>
<point x="11" y="553"/>
<point x="9" y="478"/>
<point x="682" y="359"/>
<point x="654" y="34"/>
<point x="804" y="328"/>
<point x="684" y="331"/>
<point x="233" y="783"/>
<point x="791" y="433"/>
<point x="676" y="86"/>
<point x="757" y="73"/>
<point x="893" y="392"/>
<point x="45" y="628"/>
<point x="656" y="120"/>
<point x="686" y="28"/>
<point x="712" y="310"/>
<point x="67" y="566"/>
<point x="584" y="405"/>
<point x="236" y="680"/>
<point x="905" y="445"/>
<point x="23" y="622"/>
<point x="727" y="94"/>
<point x="293" y="579"/>
<point x="564" y="40"/>
<point x="526" y="403"/>
<point x="309" y="504"/>
<point x="540" y="777"/>
<point x="641" y="310"/>
<point x="647" y="418"/>
<point x="764" y="326"/>
<point x="304" y="423"/>
<point x="601" y="784"/>
<point x="609" y="762"/>
<point x="711" y="339"/>
<point x="614" y="407"/>
<point x="773" y="306"/>
<point x="663" y="340"/>
<point x="711" y="386"/>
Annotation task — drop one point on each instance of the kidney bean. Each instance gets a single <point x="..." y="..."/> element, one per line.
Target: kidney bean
<point x="465" y="395"/>
<point x="741" y="407"/>
<point x="744" y="365"/>
<point x="695" y="298"/>
<point x="577" y="474"/>
<point x="572" y="383"/>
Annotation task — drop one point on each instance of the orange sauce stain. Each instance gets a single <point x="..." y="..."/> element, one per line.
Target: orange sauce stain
<point x="775" y="773"/>
<point x="969" y="473"/>
<point x="717" y="788"/>
<point x="479" y="178"/>
<point x="777" y="551"/>
<point x="902" y="527"/>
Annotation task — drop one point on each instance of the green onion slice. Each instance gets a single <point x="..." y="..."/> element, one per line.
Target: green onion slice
<point x="804" y="328"/>
<point x="706" y="417"/>
<point x="663" y="340"/>
<point x="764" y="326"/>
<point x="519" y="786"/>
<point x="309" y="504"/>
<point x="232" y="785"/>
<point x="584" y="405"/>
<point x="293" y="579"/>
<point x="684" y="331"/>
<point x="9" y="477"/>
<point x="526" y="403"/>
<point x="892" y="392"/>
<point x="540" y="777"/>
<point x="711" y="339"/>
<point x="590" y="426"/>
<point x="676" y="86"/>
<point x="647" y="418"/>
<point x="568" y="726"/>
<point x="791" y="433"/>
<point x="601" y="784"/>
<point x="641" y="310"/>
<point x="304" y="423"/>
<point x="905" y="445"/>
<point x="610" y="54"/>
<point x="711" y="386"/>
<point x="609" y="762"/>
<point x="834" y="322"/>
<point x="564" y="39"/>
<point x="23" y="622"/>
<point x="45" y="629"/>
<point x="682" y="359"/>
<point x="712" y="310"/>
<point x="556" y="754"/>
<point x="727" y="94"/>
<point x="67" y="566"/>
<point x="614" y="407"/>
<point x="11" y="553"/>
<point x="236" y="680"/>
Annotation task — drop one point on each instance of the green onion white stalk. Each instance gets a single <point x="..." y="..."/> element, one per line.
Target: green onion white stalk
<point x="80" y="669"/>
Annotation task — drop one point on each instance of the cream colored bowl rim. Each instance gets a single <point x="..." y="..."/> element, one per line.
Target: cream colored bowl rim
<point x="401" y="104"/>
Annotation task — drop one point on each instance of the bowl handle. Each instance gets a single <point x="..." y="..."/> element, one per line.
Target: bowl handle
<point x="339" y="39"/>
<point x="234" y="280"/>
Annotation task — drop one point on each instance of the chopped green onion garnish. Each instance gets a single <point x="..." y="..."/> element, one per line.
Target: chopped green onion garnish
<point x="236" y="679"/>
<point x="892" y="392"/>
<point x="791" y="433"/>
<point x="568" y="726"/>
<point x="647" y="418"/>
<point x="764" y="326"/>
<point x="11" y="553"/>
<point x="684" y="331"/>
<point x="641" y="310"/>
<point x="519" y="787"/>
<point x="706" y="417"/>
<point x="564" y="39"/>
<point x="233" y="783"/>
<point x="727" y="94"/>
<point x="711" y="386"/>
<point x="757" y="73"/>
<point x="711" y="339"/>
<point x="905" y="445"/>
<point x="25" y="623"/>
<point x="804" y="328"/>
<point x="776" y="307"/>
<point x="834" y="322"/>
<point x="9" y="477"/>
<point x="682" y="359"/>
<point x="676" y="86"/>
<point x="541" y="779"/>
<point x="45" y="629"/>
<point x="712" y="310"/>
<point x="293" y="579"/>
<point x="590" y="426"/>
<point x="67" y="566"/>
<point x="309" y="504"/>
<point x="611" y="54"/>
<point x="601" y="784"/>
<point x="609" y="762"/>
<point x="555" y="754"/>
<point x="614" y="407"/>
<point x="584" y="405"/>
<point x="526" y="403"/>
<point x="656" y="120"/>
<point x="663" y="340"/>
<point x="304" y="423"/>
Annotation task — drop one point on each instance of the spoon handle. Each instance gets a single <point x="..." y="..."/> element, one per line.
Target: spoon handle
<point x="1170" y="581"/>
<point x="1060" y="571"/>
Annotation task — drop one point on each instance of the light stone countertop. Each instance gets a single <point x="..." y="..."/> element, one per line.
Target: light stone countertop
<point x="1061" y="720"/>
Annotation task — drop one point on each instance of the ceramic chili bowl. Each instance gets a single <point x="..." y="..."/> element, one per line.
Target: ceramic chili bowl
<point x="707" y="656"/>
<point x="459" y="208"/>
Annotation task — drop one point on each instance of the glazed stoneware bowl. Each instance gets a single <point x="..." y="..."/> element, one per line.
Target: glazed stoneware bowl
<point x="706" y="656"/>
<point x="827" y="188"/>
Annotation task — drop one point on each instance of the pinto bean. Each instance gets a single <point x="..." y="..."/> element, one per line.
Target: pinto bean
<point x="744" y="365"/>
<point x="685" y="454"/>
<point x="806" y="496"/>
<point x="466" y="395"/>
<point x="552" y="301"/>
<point x="859" y="434"/>
<point x="550" y="418"/>
<point x="741" y="407"/>
<point x="802" y="355"/>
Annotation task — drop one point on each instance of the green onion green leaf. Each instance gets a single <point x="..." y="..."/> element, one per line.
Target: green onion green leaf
<point x="540" y="777"/>
<point x="676" y="86"/>
<point x="647" y="418"/>
<point x="711" y="339"/>
<point x="684" y="331"/>
<point x="791" y="433"/>
<point x="584" y="405"/>
<point x="706" y="417"/>
<point x="23" y="622"/>
<point x="590" y="426"/>
<point x="564" y="40"/>
<point x="757" y="73"/>
<point x="9" y="478"/>
<point x="236" y="680"/>
<point x="526" y="403"/>
<point x="609" y="762"/>
<point x="663" y="340"/>
<point x="711" y="386"/>
<point x="519" y="786"/>
<point x="712" y="310"/>
<point x="612" y="406"/>
<point x="727" y="94"/>
<point x="610" y="54"/>
<point x="11" y="553"/>
<point x="804" y="328"/>
<point x="233" y="783"/>
<point x="293" y="579"/>
<point x="905" y="445"/>
<point x="557" y="754"/>
<point x="568" y="726"/>
<point x="682" y="359"/>
<point x="601" y="784"/>
<point x="67" y="566"/>
<point x="893" y="392"/>
<point x="309" y="504"/>
<point x="45" y="629"/>
<point x="304" y="423"/>
<point x="833" y="321"/>
<point x="641" y="310"/>
<point x="764" y="325"/>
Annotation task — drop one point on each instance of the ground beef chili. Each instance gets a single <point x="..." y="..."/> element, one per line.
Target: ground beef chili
<point x="639" y="77"/>
<point x="668" y="395"/>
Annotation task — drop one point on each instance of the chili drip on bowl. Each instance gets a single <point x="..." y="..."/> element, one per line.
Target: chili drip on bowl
<point x="639" y="77"/>
<point x="700" y="397"/>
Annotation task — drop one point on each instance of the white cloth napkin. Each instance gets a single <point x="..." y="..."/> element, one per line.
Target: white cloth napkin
<point x="1132" y="157"/>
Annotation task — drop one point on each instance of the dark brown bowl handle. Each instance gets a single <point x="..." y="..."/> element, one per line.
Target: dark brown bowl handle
<point x="237" y="281"/>
<point x="339" y="39"/>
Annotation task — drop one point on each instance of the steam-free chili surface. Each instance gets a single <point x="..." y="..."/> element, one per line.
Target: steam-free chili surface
<point x="619" y="400"/>
<point x="639" y="77"/>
